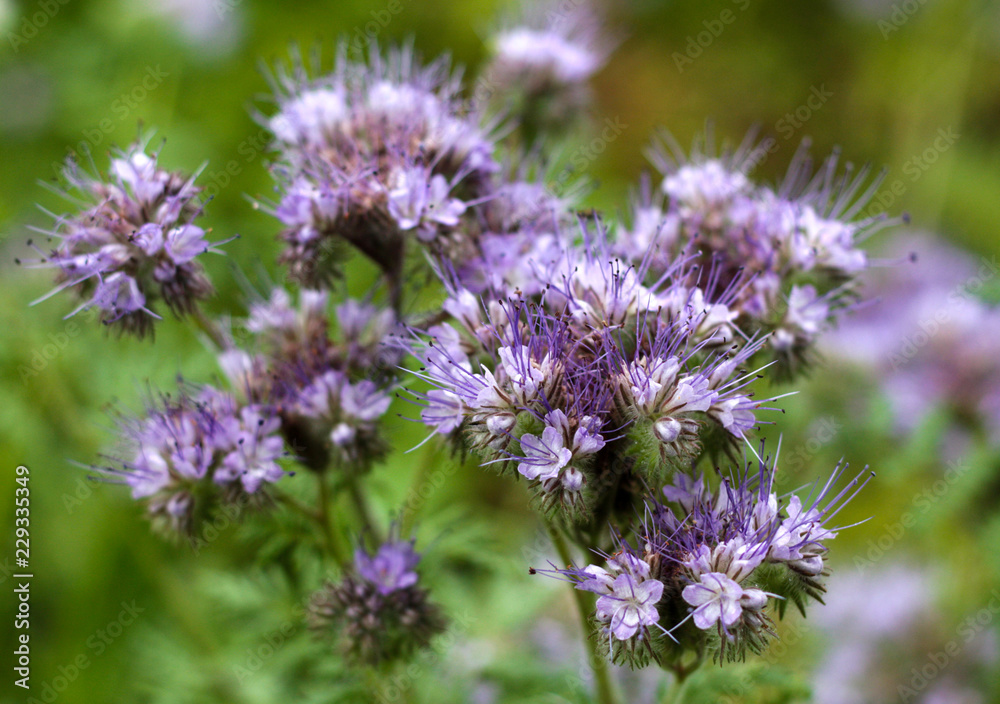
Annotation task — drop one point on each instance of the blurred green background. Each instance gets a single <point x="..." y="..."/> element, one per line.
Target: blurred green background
<point x="69" y="74"/>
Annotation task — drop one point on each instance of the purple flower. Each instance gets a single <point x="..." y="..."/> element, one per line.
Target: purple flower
<point x="184" y="243"/>
<point x="334" y="419"/>
<point x="558" y="458"/>
<point x="703" y="192"/>
<point x="364" y="320"/>
<point x="605" y="293"/>
<point x="735" y="558"/>
<point x="709" y="321"/>
<point x="420" y="200"/>
<point x="193" y="446"/>
<point x="717" y="600"/>
<point x="545" y="456"/>
<point x="364" y="401"/>
<point x="333" y="397"/>
<point x="313" y="118"/>
<point x="391" y="568"/>
<point x="276" y="314"/>
<point x="444" y="411"/>
<point x="798" y="536"/>
<point x="118" y="294"/>
<point x="132" y="244"/>
<point x="735" y="414"/>
<point x="544" y="58"/>
<point x="628" y="595"/>
<point x="255" y="449"/>
<point x="377" y="611"/>
<point x="525" y="375"/>
<point x="805" y="318"/>
<point x="630" y="606"/>
<point x="372" y="152"/>
<point x="524" y="239"/>
<point x="785" y="257"/>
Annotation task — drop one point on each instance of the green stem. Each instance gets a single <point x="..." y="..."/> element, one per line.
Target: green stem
<point x="676" y="693"/>
<point x="209" y="328"/>
<point x="294" y="504"/>
<point x="606" y="693"/>
<point x="360" y="502"/>
<point x="320" y="516"/>
<point x="325" y="521"/>
<point x="414" y="498"/>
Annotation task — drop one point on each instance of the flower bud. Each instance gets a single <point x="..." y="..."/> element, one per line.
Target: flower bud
<point x="667" y="430"/>
<point x="811" y="565"/>
<point x="500" y="423"/>
<point x="753" y="599"/>
<point x="572" y="479"/>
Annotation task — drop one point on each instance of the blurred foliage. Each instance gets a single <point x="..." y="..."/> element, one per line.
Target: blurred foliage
<point x="73" y="83"/>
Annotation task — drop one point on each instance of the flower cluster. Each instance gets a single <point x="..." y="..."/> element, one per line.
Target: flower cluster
<point x="385" y="155"/>
<point x="196" y="451"/>
<point x="707" y="563"/>
<point x="795" y="247"/>
<point x="600" y="369"/>
<point x="378" y="611"/>
<point x="330" y="387"/>
<point x="595" y="381"/>
<point x="543" y="60"/>
<point x="374" y="155"/>
<point x="132" y="244"/>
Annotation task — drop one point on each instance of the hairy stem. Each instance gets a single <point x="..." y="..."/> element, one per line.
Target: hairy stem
<point x="606" y="693"/>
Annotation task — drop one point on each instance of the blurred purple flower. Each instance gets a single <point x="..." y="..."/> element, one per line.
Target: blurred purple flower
<point x="929" y="339"/>
<point x="196" y="448"/>
<point x="391" y="568"/>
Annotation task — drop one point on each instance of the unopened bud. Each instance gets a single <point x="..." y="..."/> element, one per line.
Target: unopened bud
<point x="342" y="434"/>
<point x="753" y="599"/>
<point x="809" y="566"/>
<point x="667" y="430"/>
<point x="572" y="479"/>
<point x="501" y="423"/>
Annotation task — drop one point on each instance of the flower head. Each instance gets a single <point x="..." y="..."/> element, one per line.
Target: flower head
<point x="328" y="375"/>
<point x="596" y="366"/>
<point x="196" y="450"/>
<point x="132" y="244"/>
<point x="377" y="612"/>
<point x="710" y="563"/>
<point x="786" y="256"/>
<point x="543" y="59"/>
<point x="374" y="153"/>
<point x="391" y="568"/>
